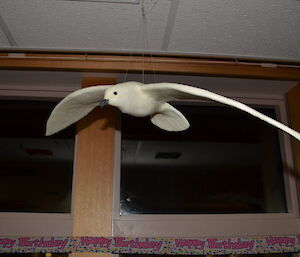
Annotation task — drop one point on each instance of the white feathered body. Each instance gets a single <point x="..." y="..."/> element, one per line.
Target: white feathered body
<point x="131" y="99"/>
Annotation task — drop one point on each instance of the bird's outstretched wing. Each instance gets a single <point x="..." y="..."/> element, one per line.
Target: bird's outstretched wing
<point x="170" y="119"/>
<point x="74" y="107"/>
<point x="172" y="91"/>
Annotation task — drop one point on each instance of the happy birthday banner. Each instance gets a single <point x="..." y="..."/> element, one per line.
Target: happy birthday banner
<point x="117" y="245"/>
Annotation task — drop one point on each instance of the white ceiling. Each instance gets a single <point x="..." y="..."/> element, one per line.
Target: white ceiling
<point x="264" y="29"/>
<point x="3" y="39"/>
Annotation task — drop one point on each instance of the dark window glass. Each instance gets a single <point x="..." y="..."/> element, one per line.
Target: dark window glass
<point x="35" y="171"/>
<point x="226" y="162"/>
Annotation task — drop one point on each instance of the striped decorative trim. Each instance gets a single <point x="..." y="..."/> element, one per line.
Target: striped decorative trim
<point x="185" y="246"/>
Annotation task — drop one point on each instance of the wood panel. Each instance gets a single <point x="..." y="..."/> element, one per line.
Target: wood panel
<point x="121" y="63"/>
<point x="93" y="181"/>
<point x="294" y="115"/>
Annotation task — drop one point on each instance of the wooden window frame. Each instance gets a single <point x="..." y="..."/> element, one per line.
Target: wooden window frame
<point x="100" y="62"/>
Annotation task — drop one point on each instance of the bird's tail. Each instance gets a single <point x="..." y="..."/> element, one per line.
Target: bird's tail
<point x="246" y="108"/>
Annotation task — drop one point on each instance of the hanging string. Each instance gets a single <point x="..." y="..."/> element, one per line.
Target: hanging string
<point x="147" y="39"/>
<point x="144" y="40"/>
<point x="143" y="29"/>
<point x="152" y="7"/>
<point x="134" y="48"/>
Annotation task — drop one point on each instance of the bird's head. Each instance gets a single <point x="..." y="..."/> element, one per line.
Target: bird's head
<point x="120" y="95"/>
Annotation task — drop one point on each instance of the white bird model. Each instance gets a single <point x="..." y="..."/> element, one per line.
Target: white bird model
<point x="141" y="100"/>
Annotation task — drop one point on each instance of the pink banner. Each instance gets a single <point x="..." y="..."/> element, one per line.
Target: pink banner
<point x="213" y="245"/>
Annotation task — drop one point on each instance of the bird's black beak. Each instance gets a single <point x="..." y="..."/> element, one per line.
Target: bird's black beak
<point x="103" y="103"/>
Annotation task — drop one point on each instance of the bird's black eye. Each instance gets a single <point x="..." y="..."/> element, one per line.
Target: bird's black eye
<point x="115" y="93"/>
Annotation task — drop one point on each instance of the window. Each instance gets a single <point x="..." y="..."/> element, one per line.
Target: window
<point x="35" y="171"/>
<point x="220" y="165"/>
<point x="226" y="172"/>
